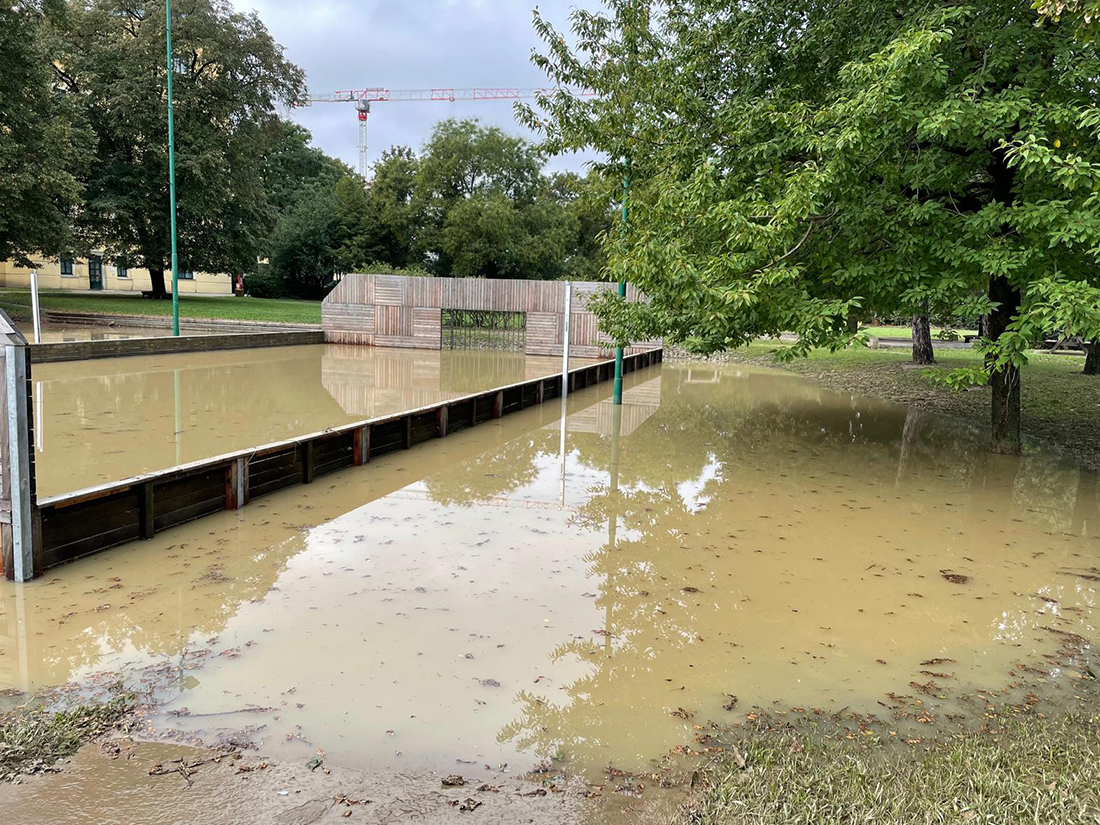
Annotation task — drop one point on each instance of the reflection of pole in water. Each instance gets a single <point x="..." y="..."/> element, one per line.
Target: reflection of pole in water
<point x="612" y="518"/>
<point x="561" y="448"/>
<point x="567" y="308"/>
<point x="179" y="423"/>
<point x="22" y="639"/>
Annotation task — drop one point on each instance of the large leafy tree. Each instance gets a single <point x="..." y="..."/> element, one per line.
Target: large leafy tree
<point x="42" y="147"/>
<point x="230" y="76"/>
<point x="795" y="165"/>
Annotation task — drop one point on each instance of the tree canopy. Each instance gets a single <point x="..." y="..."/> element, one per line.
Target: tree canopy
<point x="42" y="149"/>
<point x="797" y="165"/>
<point x="230" y="76"/>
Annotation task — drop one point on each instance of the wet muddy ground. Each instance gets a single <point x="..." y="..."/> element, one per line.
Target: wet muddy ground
<point x="733" y="542"/>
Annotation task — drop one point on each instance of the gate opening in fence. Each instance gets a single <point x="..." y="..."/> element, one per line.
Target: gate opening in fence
<point x="484" y="329"/>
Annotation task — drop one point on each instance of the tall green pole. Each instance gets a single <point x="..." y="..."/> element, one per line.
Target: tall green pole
<point x="617" y="395"/>
<point x="172" y="170"/>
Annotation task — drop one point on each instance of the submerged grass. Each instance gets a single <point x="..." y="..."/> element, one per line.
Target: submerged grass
<point x="1061" y="406"/>
<point x="33" y="740"/>
<point x="1035" y="770"/>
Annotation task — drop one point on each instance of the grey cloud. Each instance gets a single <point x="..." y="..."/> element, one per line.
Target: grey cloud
<point x="408" y="45"/>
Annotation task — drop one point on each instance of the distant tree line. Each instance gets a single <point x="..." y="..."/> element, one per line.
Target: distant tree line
<point x="84" y="162"/>
<point x="476" y="202"/>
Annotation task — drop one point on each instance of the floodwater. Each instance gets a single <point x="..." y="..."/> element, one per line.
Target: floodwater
<point x="467" y="603"/>
<point x="108" y="419"/>
<point x="58" y="333"/>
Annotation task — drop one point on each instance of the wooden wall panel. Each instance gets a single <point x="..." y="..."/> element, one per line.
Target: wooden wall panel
<point x="402" y="311"/>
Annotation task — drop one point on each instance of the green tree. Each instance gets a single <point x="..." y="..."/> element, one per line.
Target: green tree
<point x="391" y="204"/>
<point x="308" y="244"/>
<point x="472" y="197"/>
<point x="796" y="165"/>
<point x="230" y="77"/>
<point x="293" y="166"/>
<point x="42" y="152"/>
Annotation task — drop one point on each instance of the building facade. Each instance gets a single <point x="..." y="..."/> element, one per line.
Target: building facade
<point x="95" y="272"/>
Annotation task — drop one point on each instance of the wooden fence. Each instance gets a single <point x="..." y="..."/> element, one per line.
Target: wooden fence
<point x="87" y="521"/>
<point x="402" y="311"/>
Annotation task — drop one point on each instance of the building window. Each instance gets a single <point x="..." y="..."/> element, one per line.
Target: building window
<point x="186" y="275"/>
<point x="121" y="270"/>
<point x="66" y="266"/>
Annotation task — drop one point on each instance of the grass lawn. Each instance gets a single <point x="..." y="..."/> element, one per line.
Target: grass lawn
<point x="907" y="332"/>
<point x="1061" y="407"/>
<point x="1033" y="770"/>
<point x="17" y="302"/>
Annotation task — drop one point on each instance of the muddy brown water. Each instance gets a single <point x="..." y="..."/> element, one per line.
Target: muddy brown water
<point x="466" y="605"/>
<point x="58" y="333"/>
<point x="104" y="420"/>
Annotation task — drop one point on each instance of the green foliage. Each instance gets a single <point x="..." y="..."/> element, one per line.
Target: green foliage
<point x="293" y="166"/>
<point x="33" y="740"/>
<point x="265" y="282"/>
<point x="482" y="207"/>
<point x="43" y="147"/>
<point x="230" y="76"/>
<point x="797" y="166"/>
<point x="306" y="246"/>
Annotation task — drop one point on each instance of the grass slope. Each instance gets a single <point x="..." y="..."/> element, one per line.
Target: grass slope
<point x="17" y="303"/>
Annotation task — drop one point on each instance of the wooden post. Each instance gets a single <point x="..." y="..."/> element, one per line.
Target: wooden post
<point x="148" y="510"/>
<point x="236" y="484"/>
<point x="498" y="404"/>
<point x="21" y="531"/>
<point x="473" y="411"/>
<point x="307" y="462"/>
<point x="540" y="389"/>
<point x="408" y="431"/>
<point x="441" y="416"/>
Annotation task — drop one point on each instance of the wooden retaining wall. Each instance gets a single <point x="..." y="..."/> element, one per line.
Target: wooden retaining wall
<point x="87" y="521"/>
<point x="403" y="311"/>
<point x="189" y="326"/>
<point x="124" y="347"/>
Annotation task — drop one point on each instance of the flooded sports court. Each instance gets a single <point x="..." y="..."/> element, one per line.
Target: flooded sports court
<point x="579" y="591"/>
<point x="108" y="419"/>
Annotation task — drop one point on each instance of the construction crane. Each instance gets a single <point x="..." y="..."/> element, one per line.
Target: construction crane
<point x="363" y="98"/>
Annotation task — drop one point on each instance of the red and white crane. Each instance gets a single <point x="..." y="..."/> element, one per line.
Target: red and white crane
<point x="363" y="98"/>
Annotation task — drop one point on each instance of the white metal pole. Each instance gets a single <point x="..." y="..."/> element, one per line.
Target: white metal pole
<point x="565" y="339"/>
<point x="34" y="307"/>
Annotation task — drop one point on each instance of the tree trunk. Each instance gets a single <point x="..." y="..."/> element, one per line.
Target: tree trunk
<point x="1092" y="358"/>
<point x="922" y="341"/>
<point x="1005" y="382"/>
<point x="157" y="278"/>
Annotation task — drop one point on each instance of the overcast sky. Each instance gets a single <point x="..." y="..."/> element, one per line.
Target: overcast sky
<point x="408" y="44"/>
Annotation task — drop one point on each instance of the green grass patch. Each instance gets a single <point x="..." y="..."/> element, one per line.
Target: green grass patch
<point x="17" y="302"/>
<point x="1035" y="771"/>
<point x="907" y="332"/>
<point x="34" y="740"/>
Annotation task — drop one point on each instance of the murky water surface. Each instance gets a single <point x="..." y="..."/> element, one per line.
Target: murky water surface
<point x="468" y="603"/>
<point x="58" y="333"/>
<point x="108" y="419"/>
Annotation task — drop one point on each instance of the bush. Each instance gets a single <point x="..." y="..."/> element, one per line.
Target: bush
<point x="265" y="283"/>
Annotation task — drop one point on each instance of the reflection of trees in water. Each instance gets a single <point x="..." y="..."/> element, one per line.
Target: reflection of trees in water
<point x="782" y="433"/>
<point x="491" y="474"/>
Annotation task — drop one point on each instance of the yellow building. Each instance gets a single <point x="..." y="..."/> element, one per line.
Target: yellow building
<point x="93" y="272"/>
